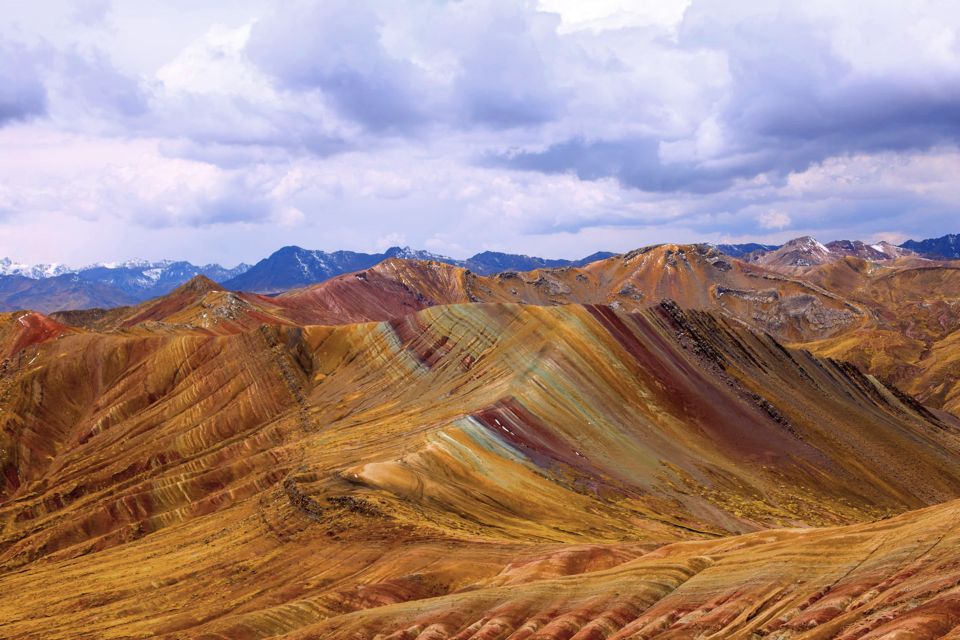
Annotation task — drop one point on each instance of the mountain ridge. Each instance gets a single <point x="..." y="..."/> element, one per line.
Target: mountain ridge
<point x="947" y="246"/>
<point x="134" y="281"/>
<point x="293" y="266"/>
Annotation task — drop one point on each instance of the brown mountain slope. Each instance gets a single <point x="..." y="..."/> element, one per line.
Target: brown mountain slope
<point x="170" y="482"/>
<point x="880" y="316"/>
<point x="695" y="276"/>
<point x="23" y="329"/>
<point x="910" y="336"/>
<point x="893" y="579"/>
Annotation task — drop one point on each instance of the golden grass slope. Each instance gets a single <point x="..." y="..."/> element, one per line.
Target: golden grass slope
<point x="898" y="578"/>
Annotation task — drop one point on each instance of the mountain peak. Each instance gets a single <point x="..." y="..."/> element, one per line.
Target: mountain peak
<point x="33" y="271"/>
<point x="947" y="246"/>
<point x="198" y="285"/>
<point x="805" y="251"/>
<point x="406" y="253"/>
<point x="806" y="241"/>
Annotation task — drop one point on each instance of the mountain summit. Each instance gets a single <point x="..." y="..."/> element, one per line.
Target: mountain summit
<point x="947" y="246"/>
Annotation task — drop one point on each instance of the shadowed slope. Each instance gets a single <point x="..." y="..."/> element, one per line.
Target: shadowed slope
<point x="277" y="477"/>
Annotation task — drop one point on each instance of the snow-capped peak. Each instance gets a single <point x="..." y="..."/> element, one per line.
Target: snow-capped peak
<point x="35" y="271"/>
<point x="406" y="253"/>
<point x="135" y="263"/>
<point x="810" y="243"/>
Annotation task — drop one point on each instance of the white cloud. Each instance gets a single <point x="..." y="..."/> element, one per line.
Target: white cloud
<point x="394" y="239"/>
<point x="600" y="15"/>
<point x="774" y="220"/>
<point x="893" y="237"/>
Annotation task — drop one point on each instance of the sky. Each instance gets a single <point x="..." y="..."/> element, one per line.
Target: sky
<point x="219" y="131"/>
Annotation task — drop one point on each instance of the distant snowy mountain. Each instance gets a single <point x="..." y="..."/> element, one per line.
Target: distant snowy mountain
<point x="143" y="280"/>
<point x="406" y="253"/>
<point x="876" y="252"/>
<point x="807" y="251"/>
<point x="491" y="262"/>
<point x="746" y="249"/>
<point x="35" y="271"/>
<point x="293" y="267"/>
<point x="947" y="246"/>
<point x="51" y="287"/>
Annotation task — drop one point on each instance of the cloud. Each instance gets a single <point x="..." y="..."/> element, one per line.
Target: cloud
<point x="774" y="220"/>
<point x="518" y="86"/>
<point x="22" y="95"/>
<point x="91" y="13"/>
<point x="893" y="237"/>
<point x="395" y="71"/>
<point x="635" y="162"/>
<point x="796" y="93"/>
<point x="88" y="82"/>
<point x="502" y="124"/>
<point x="336" y="48"/>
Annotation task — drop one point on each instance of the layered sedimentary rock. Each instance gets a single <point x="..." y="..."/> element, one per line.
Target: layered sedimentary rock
<point x="467" y="470"/>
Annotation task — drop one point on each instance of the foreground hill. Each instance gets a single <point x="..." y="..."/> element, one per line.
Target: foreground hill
<point x="436" y="473"/>
<point x="893" y="579"/>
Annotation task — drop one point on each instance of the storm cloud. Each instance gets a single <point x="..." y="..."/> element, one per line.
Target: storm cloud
<point x="793" y="99"/>
<point x="22" y="95"/>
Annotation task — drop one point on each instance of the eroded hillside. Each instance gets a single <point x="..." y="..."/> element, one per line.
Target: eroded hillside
<point x="255" y="478"/>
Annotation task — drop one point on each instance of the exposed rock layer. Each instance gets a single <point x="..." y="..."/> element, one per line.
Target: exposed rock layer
<point x="208" y="465"/>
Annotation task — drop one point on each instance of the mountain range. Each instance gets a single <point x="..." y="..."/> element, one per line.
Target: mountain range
<point x="55" y="287"/>
<point x="947" y="246"/>
<point x="667" y="443"/>
<point x="292" y="267"/>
